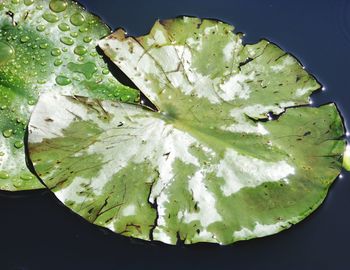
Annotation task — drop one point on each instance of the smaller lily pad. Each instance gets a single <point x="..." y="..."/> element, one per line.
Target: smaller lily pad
<point x="46" y="46"/>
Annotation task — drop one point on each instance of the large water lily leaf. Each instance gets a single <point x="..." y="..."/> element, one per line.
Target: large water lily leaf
<point x="209" y="166"/>
<point x="45" y="46"/>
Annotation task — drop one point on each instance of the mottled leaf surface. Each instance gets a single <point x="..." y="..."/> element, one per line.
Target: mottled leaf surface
<point x="45" y="46"/>
<point x="209" y="165"/>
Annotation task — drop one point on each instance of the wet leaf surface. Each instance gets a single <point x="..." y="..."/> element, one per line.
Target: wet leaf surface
<point x="45" y="46"/>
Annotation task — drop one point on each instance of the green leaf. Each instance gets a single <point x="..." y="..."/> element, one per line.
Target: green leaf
<point x="208" y="166"/>
<point x="45" y="46"/>
<point x="346" y="161"/>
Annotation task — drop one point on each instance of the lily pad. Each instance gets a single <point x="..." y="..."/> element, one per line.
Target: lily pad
<point x="211" y="164"/>
<point x="45" y="46"/>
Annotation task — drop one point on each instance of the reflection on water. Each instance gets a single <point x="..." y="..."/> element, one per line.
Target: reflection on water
<point x="343" y="18"/>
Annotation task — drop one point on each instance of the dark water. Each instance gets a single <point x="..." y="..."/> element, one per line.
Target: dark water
<point x="36" y="232"/>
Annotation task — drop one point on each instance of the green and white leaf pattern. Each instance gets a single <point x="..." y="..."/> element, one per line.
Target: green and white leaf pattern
<point x="208" y="166"/>
<point x="45" y="46"/>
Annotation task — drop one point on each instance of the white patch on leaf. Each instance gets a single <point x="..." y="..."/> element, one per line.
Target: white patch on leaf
<point x="207" y="213"/>
<point x="261" y="230"/>
<point x="287" y="61"/>
<point x="236" y="87"/>
<point x="129" y="210"/>
<point x="160" y="235"/>
<point x="159" y="37"/>
<point x="302" y="91"/>
<point x="228" y="51"/>
<point x="53" y="126"/>
<point x="239" y="171"/>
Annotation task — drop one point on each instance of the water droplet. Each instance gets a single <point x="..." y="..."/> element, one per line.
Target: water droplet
<point x="87" y="39"/>
<point x="50" y="17"/>
<point x="18" y="144"/>
<point x="124" y="98"/>
<point x="25" y="39"/>
<point x="28" y="2"/>
<point x="77" y="19"/>
<point x="6" y="53"/>
<point x="92" y="21"/>
<point x="58" y="62"/>
<point x="4" y="175"/>
<point x="63" y="27"/>
<point x="26" y="176"/>
<point x="83" y="29"/>
<point x="7" y="133"/>
<point x="105" y="71"/>
<point x="17" y="183"/>
<point x="43" y="45"/>
<point x="56" y="52"/>
<point x="31" y="102"/>
<point x="80" y="50"/>
<point x="41" y="28"/>
<point x="67" y="40"/>
<point x="62" y="80"/>
<point x="58" y="5"/>
<point x="41" y="81"/>
<point x="74" y="34"/>
<point x="15" y="1"/>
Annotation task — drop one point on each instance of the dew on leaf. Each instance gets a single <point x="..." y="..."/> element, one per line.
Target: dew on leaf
<point x="7" y="133"/>
<point x="29" y="66"/>
<point x="26" y="176"/>
<point x="28" y="2"/>
<point x="74" y="34"/>
<point x="17" y="183"/>
<point x="64" y="27"/>
<point x="25" y="39"/>
<point x="41" y="81"/>
<point x="41" y="28"/>
<point x="31" y="102"/>
<point x="4" y="175"/>
<point x="58" y="5"/>
<point x="77" y="19"/>
<point x="87" y="39"/>
<point x="18" y="144"/>
<point x="58" y="62"/>
<point x="80" y="50"/>
<point x="6" y="52"/>
<point x="67" y="40"/>
<point x="105" y="71"/>
<point x="55" y="52"/>
<point x="44" y="45"/>
<point x="63" y="80"/>
<point x="50" y="17"/>
<point x="83" y="29"/>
